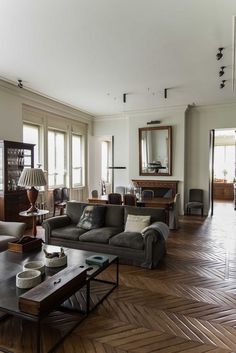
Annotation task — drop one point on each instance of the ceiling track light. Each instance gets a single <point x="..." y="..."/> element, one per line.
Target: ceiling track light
<point x="219" y="55"/>
<point x="20" y="84"/>
<point x="222" y="84"/>
<point x="222" y="72"/>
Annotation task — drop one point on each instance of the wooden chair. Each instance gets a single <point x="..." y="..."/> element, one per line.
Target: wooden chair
<point x="114" y="198"/>
<point x="60" y="196"/>
<point x="174" y="213"/>
<point x="129" y="199"/>
<point x="195" y="200"/>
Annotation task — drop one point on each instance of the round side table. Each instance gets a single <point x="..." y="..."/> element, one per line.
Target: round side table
<point x="34" y="215"/>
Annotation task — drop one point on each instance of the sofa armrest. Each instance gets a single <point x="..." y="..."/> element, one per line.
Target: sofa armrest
<point x="53" y="223"/>
<point x="154" y="247"/>
<point x="15" y="229"/>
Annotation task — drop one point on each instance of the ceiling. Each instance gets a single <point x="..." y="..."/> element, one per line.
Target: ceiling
<point x="88" y="53"/>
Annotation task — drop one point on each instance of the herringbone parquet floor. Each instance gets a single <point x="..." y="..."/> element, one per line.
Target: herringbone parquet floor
<point x="186" y="305"/>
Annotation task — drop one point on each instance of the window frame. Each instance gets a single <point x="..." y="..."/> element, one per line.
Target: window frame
<point x="82" y="158"/>
<point x="57" y="131"/>
<point x="40" y="144"/>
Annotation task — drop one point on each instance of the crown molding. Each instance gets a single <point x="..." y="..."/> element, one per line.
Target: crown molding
<point x="42" y="101"/>
<point x="131" y="113"/>
<point x="213" y="106"/>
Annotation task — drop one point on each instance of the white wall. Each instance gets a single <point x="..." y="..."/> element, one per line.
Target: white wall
<point x="10" y="117"/>
<point x="119" y="128"/>
<point x="125" y="131"/>
<point x="12" y="99"/>
<point x="199" y="122"/>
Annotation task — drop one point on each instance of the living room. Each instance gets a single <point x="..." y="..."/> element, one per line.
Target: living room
<point x="101" y="71"/>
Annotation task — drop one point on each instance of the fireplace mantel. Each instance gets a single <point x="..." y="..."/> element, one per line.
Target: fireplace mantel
<point x="170" y="184"/>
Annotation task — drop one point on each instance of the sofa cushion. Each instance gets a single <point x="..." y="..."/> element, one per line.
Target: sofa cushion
<point x="74" y="210"/>
<point x="100" y="235"/>
<point x="114" y="216"/>
<point x="133" y="240"/>
<point x="70" y="232"/>
<point x="136" y="223"/>
<point x="92" y="217"/>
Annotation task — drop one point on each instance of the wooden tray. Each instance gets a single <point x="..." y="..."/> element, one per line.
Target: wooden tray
<point x="53" y="291"/>
<point x="35" y="243"/>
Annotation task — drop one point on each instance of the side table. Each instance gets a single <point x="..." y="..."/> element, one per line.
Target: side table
<point x="34" y="215"/>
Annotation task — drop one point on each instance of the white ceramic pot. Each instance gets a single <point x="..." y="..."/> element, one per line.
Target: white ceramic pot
<point x="56" y="261"/>
<point x="28" y="279"/>
<point x="35" y="265"/>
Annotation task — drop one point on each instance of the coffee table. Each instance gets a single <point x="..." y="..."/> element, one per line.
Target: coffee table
<point x="78" y="305"/>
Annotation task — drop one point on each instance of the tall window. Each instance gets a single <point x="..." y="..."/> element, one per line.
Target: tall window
<point x="56" y="158"/>
<point x="31" y="134"/>
<point x="224" y="165"/>
<point x="105" y="161"/>
<point x="77" y="178"/>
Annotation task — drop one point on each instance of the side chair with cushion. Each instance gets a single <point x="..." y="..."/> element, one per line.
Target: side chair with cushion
<point x="114" y="198"/>
<point x="94" y="193"/>
<point x="195" y="200"/>
<point x="10" y="232"/>
<point x="147" y="194"/>
<point x="129" y="199"/>
<point x="120" y="190"/>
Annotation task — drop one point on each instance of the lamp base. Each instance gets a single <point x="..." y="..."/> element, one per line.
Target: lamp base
<point x="32" y="194"/>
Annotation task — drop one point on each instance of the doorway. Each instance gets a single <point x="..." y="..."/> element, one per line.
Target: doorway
<point x="223" y="169"/>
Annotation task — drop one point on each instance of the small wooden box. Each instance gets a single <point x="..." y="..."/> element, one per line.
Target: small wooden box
<point x="43" y="298"/>
<point x="35" y="243"/>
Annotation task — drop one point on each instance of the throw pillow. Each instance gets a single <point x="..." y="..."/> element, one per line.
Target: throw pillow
<point x="136" y="223"/>
<point x="92" y="217"/>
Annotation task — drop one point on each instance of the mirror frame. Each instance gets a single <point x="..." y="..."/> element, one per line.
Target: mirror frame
<point x="169" y="129"/>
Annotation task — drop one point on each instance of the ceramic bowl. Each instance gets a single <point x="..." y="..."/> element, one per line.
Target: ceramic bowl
<point x="35" y="265"/>
<point x="56" y="261"/>
<point x="28" y="279"/>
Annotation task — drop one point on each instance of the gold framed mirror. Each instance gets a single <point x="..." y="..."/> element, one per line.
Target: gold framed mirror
<point x="155" y="150"/>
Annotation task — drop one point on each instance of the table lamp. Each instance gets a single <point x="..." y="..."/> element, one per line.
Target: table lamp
<point x="32" y="177"/>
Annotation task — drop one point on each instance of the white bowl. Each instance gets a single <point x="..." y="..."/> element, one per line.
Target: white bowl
<point x="35" y="265"/>
<point x="28" y="279"/>
<point x="56" y="261"/>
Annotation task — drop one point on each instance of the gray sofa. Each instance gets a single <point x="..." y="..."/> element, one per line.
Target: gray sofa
<point x="131" y="247"/>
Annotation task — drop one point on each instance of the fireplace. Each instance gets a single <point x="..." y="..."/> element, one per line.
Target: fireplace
<point x="161" y="188"/>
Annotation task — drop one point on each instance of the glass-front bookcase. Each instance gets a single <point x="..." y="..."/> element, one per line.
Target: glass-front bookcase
<point x="14" y="157"/>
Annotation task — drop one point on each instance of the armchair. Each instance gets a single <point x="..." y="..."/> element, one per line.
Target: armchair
<point x="10" y="232"/>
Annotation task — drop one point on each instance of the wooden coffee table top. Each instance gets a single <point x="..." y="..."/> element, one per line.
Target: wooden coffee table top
<point x="11" y="263"/>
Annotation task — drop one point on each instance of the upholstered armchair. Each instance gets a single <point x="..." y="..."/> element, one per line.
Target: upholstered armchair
<point x="10" y="232"/>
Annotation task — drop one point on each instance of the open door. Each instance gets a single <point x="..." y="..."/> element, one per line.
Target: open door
<point x="211" y="171"/>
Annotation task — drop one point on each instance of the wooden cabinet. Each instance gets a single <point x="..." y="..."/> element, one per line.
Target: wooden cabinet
<point x="223" y="191"/>
<point x="14" y="156"/>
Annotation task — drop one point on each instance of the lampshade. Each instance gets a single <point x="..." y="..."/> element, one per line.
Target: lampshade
<point x="32" y="177"/>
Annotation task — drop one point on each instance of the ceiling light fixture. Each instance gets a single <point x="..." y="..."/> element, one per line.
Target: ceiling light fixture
<point x="222" y="85"/>
<point x="222" y="72"/>
<point x="153" y="122"/>
<point x="20" y="84"/>
<point x="219" y="55"/>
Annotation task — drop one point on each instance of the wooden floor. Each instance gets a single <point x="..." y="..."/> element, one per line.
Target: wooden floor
<point x="186" y="305"/>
